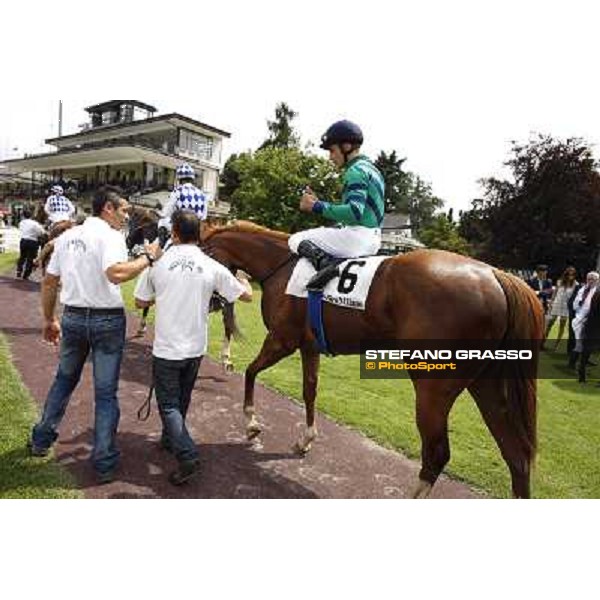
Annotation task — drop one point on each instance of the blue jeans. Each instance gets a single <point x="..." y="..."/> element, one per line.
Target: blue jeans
<point x="174" y="383"/>
<point x="104" y="336"/>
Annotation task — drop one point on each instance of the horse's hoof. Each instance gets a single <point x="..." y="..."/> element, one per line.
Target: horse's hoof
<point x="253" y="432"/>
<point x="300" y="450"/>
<point x="422" y="490"/>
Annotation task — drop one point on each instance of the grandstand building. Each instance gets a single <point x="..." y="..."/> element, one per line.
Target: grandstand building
<point x="124" y="143"/>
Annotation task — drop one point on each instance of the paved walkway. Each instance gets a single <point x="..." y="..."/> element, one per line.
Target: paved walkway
<point x="342" y="464"/>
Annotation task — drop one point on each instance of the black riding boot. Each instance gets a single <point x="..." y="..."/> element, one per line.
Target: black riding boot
<point x="324" y="263"/>
<point x="323" y="277"/>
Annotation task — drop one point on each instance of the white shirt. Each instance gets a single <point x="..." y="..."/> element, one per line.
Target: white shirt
<point x="31" y="230"/>
<point x="182" y="282"/>
<point x="81" y="257"/>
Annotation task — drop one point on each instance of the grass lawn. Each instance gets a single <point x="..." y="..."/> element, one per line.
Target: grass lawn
<point x="568" y="416"/>
<point x="8" y="261"/>
<point x="21" y="476"/>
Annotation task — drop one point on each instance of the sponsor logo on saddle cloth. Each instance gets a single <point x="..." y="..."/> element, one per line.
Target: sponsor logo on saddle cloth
<point x="350" y="289"/>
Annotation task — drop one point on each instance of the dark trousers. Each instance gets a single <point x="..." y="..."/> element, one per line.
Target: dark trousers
<point x="29" y="251"/>
<point x="173" y="383"/>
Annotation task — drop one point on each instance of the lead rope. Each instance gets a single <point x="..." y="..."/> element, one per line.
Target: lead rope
<point x="147" y="407"/>
<point x="143" y="413"/>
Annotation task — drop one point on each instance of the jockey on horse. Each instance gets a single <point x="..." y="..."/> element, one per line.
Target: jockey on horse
<point x="61" y="213"/>
<point x="58" y="207"/>
<point x="186" y="196"/>
<point x="359" y="215"/>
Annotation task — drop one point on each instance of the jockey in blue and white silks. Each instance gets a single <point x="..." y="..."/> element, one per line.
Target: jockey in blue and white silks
<point x="58" y="207"/>
<point x="186" y="196"/>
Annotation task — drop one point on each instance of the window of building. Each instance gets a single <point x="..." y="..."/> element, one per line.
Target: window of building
<point x="196" y="145"/>
<point x="126" y="113"/>
<point x="109" y="117"/>
<point x="140" y="114"/>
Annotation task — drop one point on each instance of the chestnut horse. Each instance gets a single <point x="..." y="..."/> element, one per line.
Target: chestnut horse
<point x="427" y="294"/>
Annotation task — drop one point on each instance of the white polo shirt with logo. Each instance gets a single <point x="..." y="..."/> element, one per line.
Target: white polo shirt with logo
<point x="31" y="230"/>
<point x="182" y="282"/>
<point x="81" y="257"/>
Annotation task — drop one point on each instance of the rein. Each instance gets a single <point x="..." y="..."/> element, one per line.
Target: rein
<point x="278" y="268"/>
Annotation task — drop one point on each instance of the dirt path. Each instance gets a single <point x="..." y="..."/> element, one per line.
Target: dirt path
<point x="342" y="464"/>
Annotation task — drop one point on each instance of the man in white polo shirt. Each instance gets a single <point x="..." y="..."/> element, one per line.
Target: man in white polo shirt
<point x="31" y="232"/>
<point x="90" y="261"/>
<point x="182" y="285"/>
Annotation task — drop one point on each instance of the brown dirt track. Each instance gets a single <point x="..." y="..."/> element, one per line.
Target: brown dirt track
<point x="342" y="464"/>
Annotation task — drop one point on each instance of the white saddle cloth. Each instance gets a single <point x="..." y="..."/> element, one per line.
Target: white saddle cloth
<point x="350" y="289"/>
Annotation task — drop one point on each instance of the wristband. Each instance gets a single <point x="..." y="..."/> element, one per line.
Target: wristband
<point x="318" y="207"/>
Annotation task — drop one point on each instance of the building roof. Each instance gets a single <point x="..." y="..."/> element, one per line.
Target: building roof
<point x="114" y="103"/>
<point x="91" y="157"/>
<point x="392" y="240"/>
<point x="396" y="221"/>
<point x="175" y="117"/>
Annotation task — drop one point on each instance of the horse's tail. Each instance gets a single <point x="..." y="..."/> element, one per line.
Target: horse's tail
<point x="524" y="325"/>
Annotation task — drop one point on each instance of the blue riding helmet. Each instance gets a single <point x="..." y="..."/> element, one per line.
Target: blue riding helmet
<point x="342" y="132"/>
<point x="185" y="171"/>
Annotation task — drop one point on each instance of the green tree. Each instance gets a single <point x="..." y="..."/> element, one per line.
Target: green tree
<point x="422" y="203"/>
<point x="397" y="182"/>
<point x="281" y="130"/>
<point x="271" y="181"/>
<point x="406" y="192"/>
<point x="229" y="180"/>
<point x="441" y="233"/>
<point x="548" y="211"/>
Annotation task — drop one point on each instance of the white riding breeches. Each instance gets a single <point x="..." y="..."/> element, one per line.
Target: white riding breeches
<point x="345" y="242"/>
<point x="59" y="217"/>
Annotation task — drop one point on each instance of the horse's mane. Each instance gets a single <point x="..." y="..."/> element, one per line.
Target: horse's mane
<point x="246" y="227"/>
<point x="143" y="214"/>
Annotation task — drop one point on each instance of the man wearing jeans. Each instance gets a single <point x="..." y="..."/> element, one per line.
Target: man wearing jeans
<point x="90" y="261"/>
<point x="182" y="285"/>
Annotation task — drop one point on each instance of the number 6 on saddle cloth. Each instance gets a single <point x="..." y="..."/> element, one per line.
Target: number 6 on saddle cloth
<point x="350" y="290"/>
